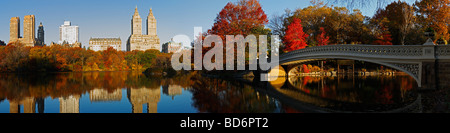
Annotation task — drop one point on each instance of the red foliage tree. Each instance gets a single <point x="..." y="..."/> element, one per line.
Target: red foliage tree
<point x="239" y="18"/>
<point x="384" y="38"/>
<point x="322" y="39"/>
<point x="295" y="38"/>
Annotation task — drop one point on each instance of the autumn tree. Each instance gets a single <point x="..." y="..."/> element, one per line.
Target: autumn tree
<point x="342" y="25"/>
<point x="400" y="16"/>
<point x="295" y="38"/>
<point x="244" y="17"/>
<point x="147" y="58"/>
<point x="435" y="14"/>
<point x="239" y="18"/>
<point x="322" y="39"/>
<point x="39" y="59"/>
<point x="15" y="57"/>
<point x="384" y="37"/>
<point x="338" y="21"/>
<point x="60" y="58"/>
<point x="313" y="17"/>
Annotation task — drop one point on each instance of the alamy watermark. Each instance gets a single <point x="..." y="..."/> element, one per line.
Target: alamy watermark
<point x="217" y="52"/>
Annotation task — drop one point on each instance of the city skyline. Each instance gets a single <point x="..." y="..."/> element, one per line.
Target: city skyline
<point x="98" y="19"/>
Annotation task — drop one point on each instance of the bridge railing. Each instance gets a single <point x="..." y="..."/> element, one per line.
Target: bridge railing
<point x="380" y="51"/>
<point x="411" y="50"/>
<point x="443" y="52"/>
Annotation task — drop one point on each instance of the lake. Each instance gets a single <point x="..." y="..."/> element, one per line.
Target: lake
<point x="134" y="92"/>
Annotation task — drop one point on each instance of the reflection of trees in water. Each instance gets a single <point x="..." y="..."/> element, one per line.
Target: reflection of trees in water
<point x="222" y="96"/>
<point x="368" y="90"/>
<point x="17" y="86"/>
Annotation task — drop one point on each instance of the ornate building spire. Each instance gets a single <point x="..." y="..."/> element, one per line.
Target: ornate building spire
<point x="151" y="12"/>
<point x="136" y="13"/>
<point x="136" y="23"/>
<point x="151" y="23"/>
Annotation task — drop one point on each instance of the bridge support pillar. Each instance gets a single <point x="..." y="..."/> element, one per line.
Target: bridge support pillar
<point x="443" y="74"/>
<point x="429" y="74"/>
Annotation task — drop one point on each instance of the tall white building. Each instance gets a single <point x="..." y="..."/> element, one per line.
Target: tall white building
<point x="68" y="33"/>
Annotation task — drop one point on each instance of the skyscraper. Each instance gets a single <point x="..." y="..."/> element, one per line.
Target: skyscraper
<point x="68" y="33"/>
<point x="40" y="39"/>
<point x="14" y="29"/>
<point x="29" y="30"/>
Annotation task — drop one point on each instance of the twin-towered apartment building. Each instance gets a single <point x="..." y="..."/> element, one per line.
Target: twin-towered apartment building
<point x="29" y="32"/>
<point x="136" y="41"/>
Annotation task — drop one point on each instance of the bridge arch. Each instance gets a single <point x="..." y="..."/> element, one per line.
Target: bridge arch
<point x="406" y="68"/>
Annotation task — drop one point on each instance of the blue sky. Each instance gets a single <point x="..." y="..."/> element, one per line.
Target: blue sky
<point x="112" y="18"/>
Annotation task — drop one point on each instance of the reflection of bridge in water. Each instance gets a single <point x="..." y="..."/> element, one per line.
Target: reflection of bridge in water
<point x="293" y="96"/>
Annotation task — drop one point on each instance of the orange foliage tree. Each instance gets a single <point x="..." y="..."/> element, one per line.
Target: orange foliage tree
<point x="435" y="14"/>
<point x="56" y="58"/>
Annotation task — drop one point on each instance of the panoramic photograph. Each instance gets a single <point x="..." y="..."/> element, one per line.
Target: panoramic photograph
<point x="224" y="57"/>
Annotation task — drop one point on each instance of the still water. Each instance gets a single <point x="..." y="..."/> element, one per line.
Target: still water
<point x="132" y="92"/>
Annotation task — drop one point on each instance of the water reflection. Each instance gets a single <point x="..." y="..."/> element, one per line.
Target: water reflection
<point x="24" y="93"/>
<point x="69" y="104"/>
<point x="101" y="95"/>
<point x="172" y="90"/>
<point x="27" y="103"/>
<point x="131" y="92"/>
<point x="228" y="96"/>
<point x="351" y="93"/>
<point x="140" y="96"/>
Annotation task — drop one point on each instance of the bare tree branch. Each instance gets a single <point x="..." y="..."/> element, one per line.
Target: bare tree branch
<point x="276" y="23"/>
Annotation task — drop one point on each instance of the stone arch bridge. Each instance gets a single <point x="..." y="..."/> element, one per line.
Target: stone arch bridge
<point x="428" y="64"/>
